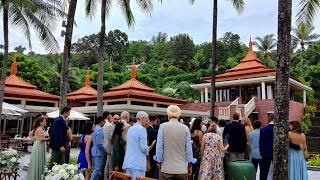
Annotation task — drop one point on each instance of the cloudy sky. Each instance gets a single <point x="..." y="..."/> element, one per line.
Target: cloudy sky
<point x="174" y="16"/>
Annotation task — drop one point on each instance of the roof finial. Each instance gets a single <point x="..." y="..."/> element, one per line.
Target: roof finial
<point x="133" y="70"/>
<point x="250" y="45"/>
<point x="87" y="83"/>
<point x="14" y="65"/>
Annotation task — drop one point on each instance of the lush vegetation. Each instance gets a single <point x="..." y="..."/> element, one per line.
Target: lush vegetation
<point x="172" y="63"/>
<point x="314" y="161"/>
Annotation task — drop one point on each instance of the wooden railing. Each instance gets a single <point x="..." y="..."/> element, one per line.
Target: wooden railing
<point x="224" y="113"/>
<point x="249" y="107"/>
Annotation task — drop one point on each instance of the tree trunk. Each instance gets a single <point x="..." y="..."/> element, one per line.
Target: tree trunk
<point x="302" y="56"/>
<point x="282" y="92"/>
<point x="66" y="54"/>
<point x="214" y="56"/>
<point x="6" y="51"/>
<point x="101" y="58"/>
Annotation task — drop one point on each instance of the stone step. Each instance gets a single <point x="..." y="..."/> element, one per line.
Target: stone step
<point x="314" y="131"/>
<point x="313" y="144"/>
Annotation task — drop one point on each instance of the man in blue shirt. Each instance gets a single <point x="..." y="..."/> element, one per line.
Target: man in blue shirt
<point x="135" y="162"/>
<point x="97" y="150"/>
<point x="254" y="141"/>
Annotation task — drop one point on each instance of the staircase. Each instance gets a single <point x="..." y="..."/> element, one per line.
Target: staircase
<point x="243" y="109"/>
<point x="313" y="138"/>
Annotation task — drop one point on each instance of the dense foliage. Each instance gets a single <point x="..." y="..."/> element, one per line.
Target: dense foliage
<point x="171" y="63"/>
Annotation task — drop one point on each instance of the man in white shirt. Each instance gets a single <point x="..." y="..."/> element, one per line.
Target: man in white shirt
<point x="125" y="120"/>
<point x="108" y="119"/>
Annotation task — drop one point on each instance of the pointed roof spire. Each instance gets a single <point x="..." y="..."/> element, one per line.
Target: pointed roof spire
<point x="133" y="70"/>
<point x="250" y="45"/>
<point x="87" y="83"/>
<point x="14" y="65"/>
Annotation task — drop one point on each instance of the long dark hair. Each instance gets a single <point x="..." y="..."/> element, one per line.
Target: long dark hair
<point x="296" y="127"/>
<point x="37" y="123"/>
<point x="87" y="128"/>
<point x="117" y="131"/>
<point x="196" y="125"/>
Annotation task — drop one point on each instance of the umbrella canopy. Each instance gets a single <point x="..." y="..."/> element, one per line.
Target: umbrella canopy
<point x="10" y="112"/>
<point x="74" y="115"/>
<point x="11" y="107"/>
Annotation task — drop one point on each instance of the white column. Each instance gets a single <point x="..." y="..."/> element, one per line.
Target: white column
<point x="304" y="98"/>
<point x="269" y="92"/>
<point x="217" y="95"/>
<point x="220" y="93"/>
<point x="201" y="95"/>
<point x="263" y="90"/>
<point x="154" y="104"/>
<point x="239" y="91"/>
<point x="206" y="94"/>
<point x="128" y="102"/>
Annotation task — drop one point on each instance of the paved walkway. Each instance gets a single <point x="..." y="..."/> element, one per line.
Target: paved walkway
<point x="313" y="175"/>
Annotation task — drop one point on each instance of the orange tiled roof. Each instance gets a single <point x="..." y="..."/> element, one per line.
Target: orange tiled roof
<point x="85" y="92"/>
<point x="250" y="66"/>
<point x="133" y="84"/>
<point x="17" y="87"/>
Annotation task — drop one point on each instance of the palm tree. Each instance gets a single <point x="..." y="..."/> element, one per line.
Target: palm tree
<point x="307" y="11"/>
<point x="265" y="45"/>
<point x="145" y="5"/>
<point x="282" y="92"/>
<point x="24" y="15"/>
<point x="303" y="35"/>
<point x="66" y="54"/>
<point x="238" y="5"/>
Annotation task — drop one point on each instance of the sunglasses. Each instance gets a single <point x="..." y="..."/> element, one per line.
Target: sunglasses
<point x="116" y="118"/>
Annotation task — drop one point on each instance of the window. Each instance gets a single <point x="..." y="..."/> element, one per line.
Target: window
<point x="162" y="105"/>
<point x="141" y="103"/>
<point x="92" y="104"/>
<point x="117" y="102"/>
<point x="36" y="103"/>
<point x="12" y="101"/>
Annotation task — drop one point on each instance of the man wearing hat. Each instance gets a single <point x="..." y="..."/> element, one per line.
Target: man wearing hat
<point x="174" y="150"/>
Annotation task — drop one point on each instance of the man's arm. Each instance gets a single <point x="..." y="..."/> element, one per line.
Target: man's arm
<point x="294" y="146"/>
<point x="159" y="147"/>
<point x="100" y="140"/>
<point x="144" y="141"/>
<point x="61" y="131"/>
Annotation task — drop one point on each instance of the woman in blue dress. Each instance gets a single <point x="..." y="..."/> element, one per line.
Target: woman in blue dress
<point x="84" y="158"/>
<point x="297" y="162"/>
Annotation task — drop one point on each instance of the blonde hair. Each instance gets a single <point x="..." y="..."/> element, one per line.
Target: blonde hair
<point x="247" y="122"/>
<point x="212" y="128"/>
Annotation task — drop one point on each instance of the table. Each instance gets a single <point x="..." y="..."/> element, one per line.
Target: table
<point x="24" y="142"/>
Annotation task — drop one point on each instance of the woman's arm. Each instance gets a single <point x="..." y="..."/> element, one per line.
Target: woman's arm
<point x="31" y="135"/>
<point x="88" y="140"/>
<point x="40" y="134"/>
<point x="222" y="148"/>
<point x="69" y="134"/>
<point x="200" y="135"/>
<point x="202" y="147"/>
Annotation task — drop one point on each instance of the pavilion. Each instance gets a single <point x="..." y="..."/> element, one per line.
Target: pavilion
<point x="131" y="96"/>
<point x="26" y="96"/>
<point x="248" y="89"/>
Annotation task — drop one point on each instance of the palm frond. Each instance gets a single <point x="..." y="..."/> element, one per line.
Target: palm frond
<point x="90" y="8"/>
<point x="307" y="11"/>
<point x="238" y="5"/>
<point x="126" y="10"/>
<point x="145" y="5"/>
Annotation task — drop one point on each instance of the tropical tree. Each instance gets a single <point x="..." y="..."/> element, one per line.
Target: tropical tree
<point x="24" y="15"/>
<point x="307" y="11"/>
<point x="238" y="5"/>
<point x="282" y="92"/>
<point x="303" y="35"/>
<point x="265" y="45"/>
<point x="145" y="5"/>
<point x="20" y="49"/>
<point x="66" y="54"/>
<point x="159" y="38"/>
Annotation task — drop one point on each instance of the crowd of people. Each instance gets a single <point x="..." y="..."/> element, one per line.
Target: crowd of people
<point x="164" y="149"/>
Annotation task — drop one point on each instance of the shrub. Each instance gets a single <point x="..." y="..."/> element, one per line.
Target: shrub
<point x="314" y="161"/>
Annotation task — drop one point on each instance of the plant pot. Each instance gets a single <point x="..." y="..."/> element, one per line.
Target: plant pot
<point x="313" y="168"/>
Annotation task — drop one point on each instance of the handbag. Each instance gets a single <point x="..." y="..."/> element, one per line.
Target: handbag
<point x="305" y="153"/>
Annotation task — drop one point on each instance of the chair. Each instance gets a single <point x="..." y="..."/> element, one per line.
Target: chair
<point x="114" y="174"/>
<point x="4" y="141"/>
<point x="75" y="141"/>
<point x="144" y="178"/>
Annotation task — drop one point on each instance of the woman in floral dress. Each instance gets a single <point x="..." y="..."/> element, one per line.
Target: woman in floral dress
<point x="211" y="164"/>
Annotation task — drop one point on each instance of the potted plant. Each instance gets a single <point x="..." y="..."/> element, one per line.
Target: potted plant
<point x="63" y="172"/>
<point x="10" y="161"/>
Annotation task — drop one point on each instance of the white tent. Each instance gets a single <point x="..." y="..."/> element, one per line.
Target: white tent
<point x="11" y="107"/>
<point x="9" y="112"/>
<point x="74" y="115"/>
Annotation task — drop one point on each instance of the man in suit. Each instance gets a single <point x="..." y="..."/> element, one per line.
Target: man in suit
<point x="152" y="135"/>
<point x="266" y="148"/>
<point x="59" y="137"/>
<point x="97" y="149"/>
<point x="135" y="162"/>
<point x="174" y="149"/>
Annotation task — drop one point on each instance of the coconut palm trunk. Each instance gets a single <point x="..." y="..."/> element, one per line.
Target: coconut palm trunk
<point x="214" y="57"/>
<point x="302" y="56"/>
<point x="66" y="54"/>
<point x="282" y="92"/>
<point x="6" y="50"/>
<point x="101" y="58"/>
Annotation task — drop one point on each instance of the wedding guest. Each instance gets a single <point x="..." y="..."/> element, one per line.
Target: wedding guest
<point x="118" y="147"/>
<point x="152" y="136"/>
<point x="254" y="137"/>
<point x="68" y="142"/>
<point x="248" y="128"/>
<point x="211" y="148"/>
<point x="135" y="162"/>
<point x="196" y="137"/>
<point x="38" y="153"/>
<point x="59" y="137"/>
<point x="297" y="162"/>
<point x="97" y="149"/>
<point x="85" y="155"/>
